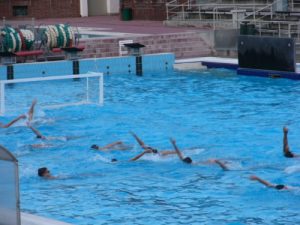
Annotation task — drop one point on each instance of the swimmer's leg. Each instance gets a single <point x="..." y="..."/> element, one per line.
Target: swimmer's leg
<point x="111" y="145"/>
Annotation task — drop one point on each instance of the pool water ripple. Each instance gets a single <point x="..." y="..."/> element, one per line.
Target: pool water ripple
<point x="211" y="114"/>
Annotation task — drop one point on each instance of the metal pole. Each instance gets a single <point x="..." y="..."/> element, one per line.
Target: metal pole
<point x="87" y="90"/>
<point x="167" y="10"/>
<point x="101" y="90"/>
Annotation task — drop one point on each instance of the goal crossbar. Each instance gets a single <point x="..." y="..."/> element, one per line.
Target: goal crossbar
<point x="49" y="78"/>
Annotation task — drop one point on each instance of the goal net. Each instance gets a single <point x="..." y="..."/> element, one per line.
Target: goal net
<point x="51" y="92"/>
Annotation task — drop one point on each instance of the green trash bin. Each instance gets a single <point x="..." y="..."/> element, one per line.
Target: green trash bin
<point x="126" y="14"/>
<point x="243" y="29"/>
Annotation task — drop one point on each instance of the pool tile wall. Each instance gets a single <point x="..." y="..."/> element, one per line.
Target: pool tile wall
<point x="25" y="70"/>
<point x="113" y="65"/>
<point x="162" y="63"/>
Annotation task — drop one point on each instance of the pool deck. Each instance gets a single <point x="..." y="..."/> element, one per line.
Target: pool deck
<point x="232" y="63"/>
<point x="29" y="219"/>
<point x="113" y="24"/>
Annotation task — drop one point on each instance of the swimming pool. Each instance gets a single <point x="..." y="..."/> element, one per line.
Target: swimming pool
<point x="211" y="114"/>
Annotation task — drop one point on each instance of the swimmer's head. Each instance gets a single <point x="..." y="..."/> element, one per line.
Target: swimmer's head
<point x="43" y="172"/>
<point x="114" y="160"/>
<point x="94" y="146"/>
<point x="187" y="160"/>
<point x="279" y="186"/>
<point x="153" y="150"/>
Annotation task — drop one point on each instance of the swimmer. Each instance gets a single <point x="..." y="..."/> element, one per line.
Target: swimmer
<point x="154" y="151"/>
<point x="187" y="160"/>
<point x="45" y="173"/>
<point x="286" y="149"/>
<point x="13" y="121"/>
<point x="117" y="145"/>
<point x="39" y="135"/>
<point x="267" y="184"/>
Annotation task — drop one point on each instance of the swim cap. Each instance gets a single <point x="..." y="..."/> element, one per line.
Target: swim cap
<point x="94" y="146"/>
<point x="41" y="171"/>
<point x="187" y="160"/>
<point x="279" y="186"/>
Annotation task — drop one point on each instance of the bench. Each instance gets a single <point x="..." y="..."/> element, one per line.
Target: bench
<point x="22" y="55"/>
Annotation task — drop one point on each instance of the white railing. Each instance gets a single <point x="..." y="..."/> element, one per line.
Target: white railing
<point x="294" y="5"/>
<point x="276" y="28"/>
<point x="267" y="11"/>
<point x="188" y="10"/>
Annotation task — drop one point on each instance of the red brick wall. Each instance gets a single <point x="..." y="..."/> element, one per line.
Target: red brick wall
<point x="41" y="8"/>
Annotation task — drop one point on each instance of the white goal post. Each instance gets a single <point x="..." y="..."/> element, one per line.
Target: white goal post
<point x="53" y="78"/>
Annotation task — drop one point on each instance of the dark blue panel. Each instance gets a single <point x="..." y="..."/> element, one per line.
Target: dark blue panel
<point x="267" y="53"/>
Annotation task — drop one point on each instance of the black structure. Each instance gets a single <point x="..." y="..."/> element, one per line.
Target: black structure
<point x="135" y="50"/>
<point x="75" y="67"/>
<point x="266" y="53"/>
<point x="10" y="72"/>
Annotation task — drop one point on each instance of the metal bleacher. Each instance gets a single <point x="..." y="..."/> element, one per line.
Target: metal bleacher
<point x="269" y="18"/>
<point x="281" y="16"/>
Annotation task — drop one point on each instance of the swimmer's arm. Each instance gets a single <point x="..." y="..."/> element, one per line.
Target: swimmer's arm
<point x="31" y="110"/>
<point x="13" y="121"/>
<point x="141" y="143"/>
<point x="176" y="149"/>
<point x="221" y="164"/>
<point x="140" y="155"/>
<point x="37" y="133"/>
<point x="266" y="183"/>
<point x="137" y="157"/>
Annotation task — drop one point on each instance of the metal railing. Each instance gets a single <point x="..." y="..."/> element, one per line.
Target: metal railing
<point x="221" y="15"/>
<point x="276" y="28"/>
<point x="294" y="5"/>
<point x="188" y="11"/>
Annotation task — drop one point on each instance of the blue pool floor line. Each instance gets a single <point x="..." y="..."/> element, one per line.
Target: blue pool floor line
<point x="232" y="63"/>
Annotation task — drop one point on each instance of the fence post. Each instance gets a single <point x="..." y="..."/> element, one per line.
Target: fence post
<point x="167" y="10"/>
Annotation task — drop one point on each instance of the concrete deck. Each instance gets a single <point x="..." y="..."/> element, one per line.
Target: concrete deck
<point x="114" y="24"/>
<point x="29" y="219"/>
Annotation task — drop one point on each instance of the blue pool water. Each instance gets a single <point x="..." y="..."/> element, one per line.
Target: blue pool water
<point x="211" y="114"/>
